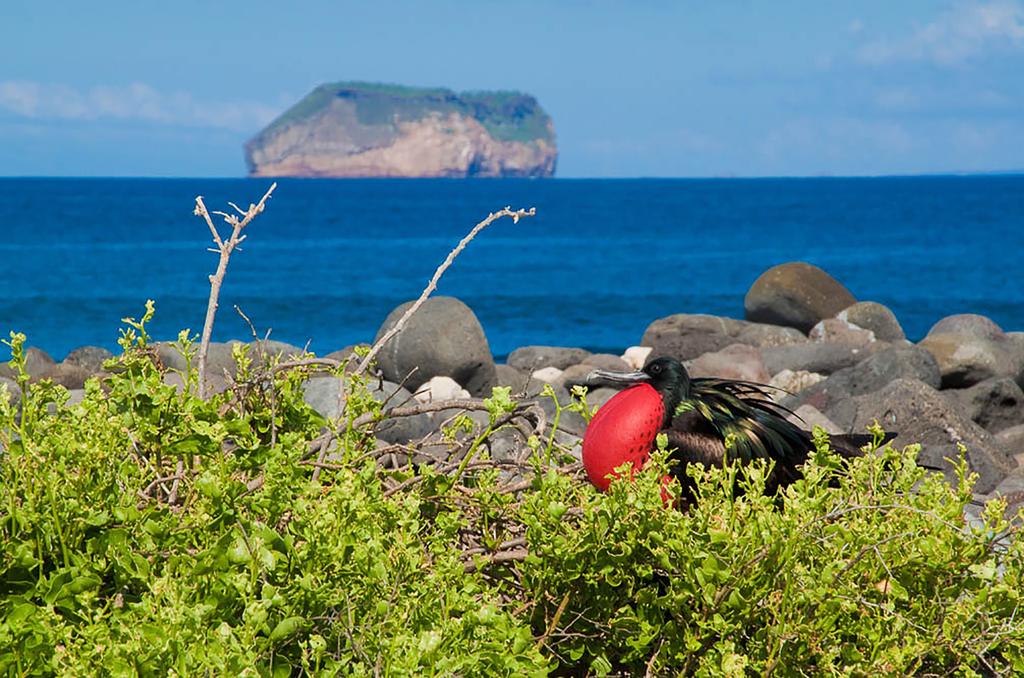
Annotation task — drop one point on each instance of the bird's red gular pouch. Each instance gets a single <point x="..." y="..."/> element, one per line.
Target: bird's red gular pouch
<point x="624" y="429"/>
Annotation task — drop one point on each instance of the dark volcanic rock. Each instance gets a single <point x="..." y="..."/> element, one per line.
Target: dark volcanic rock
<point x="574" y="375"/>
<point x="323" y="394"/>
<point x="607" y="361"/>
<point x="531" y="358"/>
<point x="795" y="294"/>
<point x="89" y="357"/>
<point x="869" y="375"/>
<point x="686" y="336"/>
<point x="68" y="375"/>
<point x="506" y="375"/>
<point x="737" y="361"/>
<point x="599" y="396"/>
<point x="920" y="414"/>
<point x="443" y="338"/>
<point x="965" y="359"/>
<point x="37" y="364"/>
<point x="813" y="357"/>
<point x="994" y="404"/>
<point x="969" y="324"/>
<point x="271" y="348"/>
<point x="875" y="317"/>
<point x="347" y="353"/>
<point x="571" y="422"/>
<point x="1012" y="440"/>
<point x="219" y="358"/>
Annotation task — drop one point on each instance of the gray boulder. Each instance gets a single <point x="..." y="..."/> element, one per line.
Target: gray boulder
<point x="813" y="357"/>
<point x="38" y="363"/>
<point x="838" y="331"/>
<point x="875" y="317"/>
<point x="1015" y="347"/>
<point x="443" y="338"/>
<point x="686" y="336"/>
<point x="218" y="357"/>
<point x="324" y="395"/>
<point x="868" y="376"/>
<point x="506" y="375"/>
<point x="993" y="404"/>
<point x="1012" y="439"/>
<point x="574" y="375"/>
<point x="795" y="294"/>
<point x="736" y="361"/>
<point x="920" y="414"/>
<point x="532" y="358"/>
<point x="966" y="359"/>
<point x="599" y="396"/>
<point x="89" y="357"/>
<point x="968" y="324"/>
<point x="571" y="422"/>
<point x="271" y="348"/>
<point x="607" y="361"/>
<point x="348" y="353"/>
<point x="68" y="375"/>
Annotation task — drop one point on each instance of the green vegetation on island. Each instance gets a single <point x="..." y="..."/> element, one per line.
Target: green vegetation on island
<point x="507" y="116"/>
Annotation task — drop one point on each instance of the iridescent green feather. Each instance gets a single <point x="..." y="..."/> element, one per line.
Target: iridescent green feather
<point x="745" y="413"/>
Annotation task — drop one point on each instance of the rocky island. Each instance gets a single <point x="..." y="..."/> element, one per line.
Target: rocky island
<point x="351" y="129"/>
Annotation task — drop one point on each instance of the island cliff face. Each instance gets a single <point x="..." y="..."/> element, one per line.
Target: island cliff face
<point x="366" y="130"/>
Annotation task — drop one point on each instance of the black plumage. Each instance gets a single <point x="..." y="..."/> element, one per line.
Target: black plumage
<point x="702" y="414"/>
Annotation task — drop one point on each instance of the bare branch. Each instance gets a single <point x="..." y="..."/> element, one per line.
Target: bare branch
<point x="217" y="279"/>
<point x="432" y="285"/>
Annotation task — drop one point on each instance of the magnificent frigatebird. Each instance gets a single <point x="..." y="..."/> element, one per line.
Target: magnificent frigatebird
<point x="698" y="415"/>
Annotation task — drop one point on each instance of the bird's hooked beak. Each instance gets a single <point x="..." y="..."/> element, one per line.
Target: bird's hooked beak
<point x="607" y="377"/>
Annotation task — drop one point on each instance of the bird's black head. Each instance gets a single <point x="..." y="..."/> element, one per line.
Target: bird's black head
<point x="667" y="375"/>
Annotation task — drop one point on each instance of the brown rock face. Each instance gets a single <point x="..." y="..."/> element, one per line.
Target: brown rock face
<point x="352" y="130"/>
<point x="797" y="295"/>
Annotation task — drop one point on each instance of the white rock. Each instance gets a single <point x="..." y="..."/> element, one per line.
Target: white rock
<point x="636" y="356"/>
<point x="440" y="389"/>
<point x="793" y="382"/>
<point x="547" y="374"/>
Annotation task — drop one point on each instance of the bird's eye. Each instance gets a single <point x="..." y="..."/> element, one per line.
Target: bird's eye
<point x="655" y="369"/>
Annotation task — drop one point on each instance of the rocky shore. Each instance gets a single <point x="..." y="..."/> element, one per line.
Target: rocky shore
<point x="839" y="363"/>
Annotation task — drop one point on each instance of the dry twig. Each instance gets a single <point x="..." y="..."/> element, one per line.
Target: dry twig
<point x="432" y="285"/>
<point x="224" y="249"/>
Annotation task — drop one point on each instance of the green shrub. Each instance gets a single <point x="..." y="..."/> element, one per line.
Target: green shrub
<point x="147" y="531"/>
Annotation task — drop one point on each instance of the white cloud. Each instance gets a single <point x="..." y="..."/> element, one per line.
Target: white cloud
<point x="135" y="102"/>
<point x="959" y="34"/>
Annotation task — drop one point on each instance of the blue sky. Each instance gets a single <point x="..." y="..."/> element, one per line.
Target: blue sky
<point x="636" y="88"/>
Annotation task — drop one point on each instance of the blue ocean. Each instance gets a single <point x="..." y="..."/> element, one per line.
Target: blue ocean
<point x="329" y="259"/>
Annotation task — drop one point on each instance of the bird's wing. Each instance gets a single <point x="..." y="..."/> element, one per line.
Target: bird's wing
<point x="751" y="423"/>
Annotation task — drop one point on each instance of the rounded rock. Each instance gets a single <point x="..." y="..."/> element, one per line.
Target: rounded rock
<point x="438" y="389"/>
<point x="967" y="324"/>
<point x="506" y="375"/>
<point x="38" y="363"/>
<point x="89" y="357"/>
<point x="965" y="360"/>
<point x="532" y="358"/>
<point x="795" y="294"/>
<point x="607" y="361"/>
<point x="839" y="331"/>
<point x="994" y="404"/>
<point x="736" y="361"/>
<point x="443" y="338"/>
<point x="636" y="356"/>
<point x="876" y="317"/>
